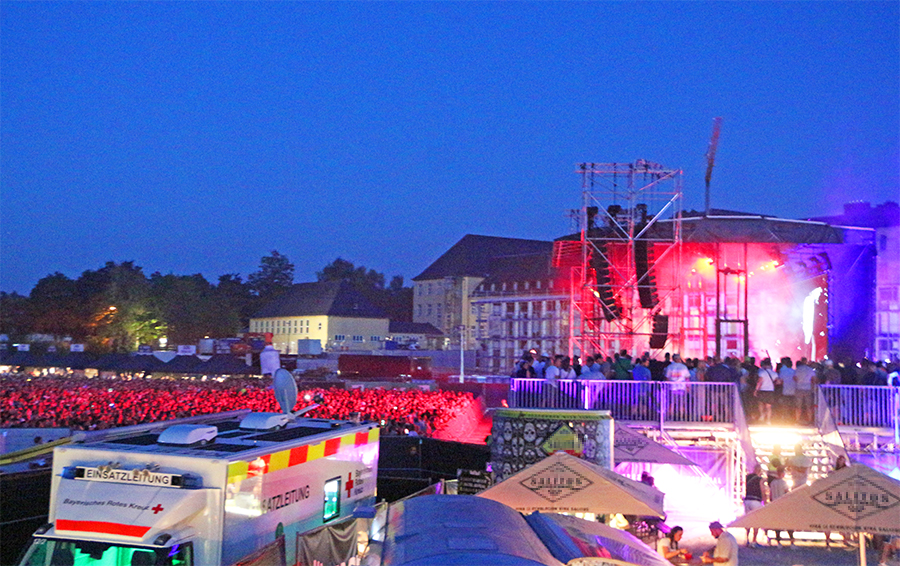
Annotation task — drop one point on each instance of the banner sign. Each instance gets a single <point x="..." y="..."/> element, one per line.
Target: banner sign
<point x="472" y="482"/>
<point x="145" y="477"/>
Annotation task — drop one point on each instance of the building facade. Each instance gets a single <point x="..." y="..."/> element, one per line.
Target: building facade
<point x="496" y="296"/>
<point x="333" y="313"/>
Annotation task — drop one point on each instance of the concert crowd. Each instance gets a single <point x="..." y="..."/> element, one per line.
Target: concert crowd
<point x="93" y="403"/>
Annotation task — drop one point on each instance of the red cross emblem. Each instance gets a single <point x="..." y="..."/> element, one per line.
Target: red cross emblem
<point x="349" y="483"/>
<point x="157" y="509"/>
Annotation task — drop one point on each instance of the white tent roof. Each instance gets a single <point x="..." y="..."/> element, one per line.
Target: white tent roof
<point x="853" y="499"/>
<point x="563" y="483"/>
<point x="632" y="446"/>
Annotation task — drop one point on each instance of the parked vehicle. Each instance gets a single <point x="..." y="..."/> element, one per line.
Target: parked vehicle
<point x="234" y="489"/>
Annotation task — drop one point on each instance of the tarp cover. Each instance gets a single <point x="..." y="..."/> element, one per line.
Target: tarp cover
<point x="460" y="530"/>
<point x="331" y="545"/>
<point x="569" y="538"/>
<point x="563" y="483"/>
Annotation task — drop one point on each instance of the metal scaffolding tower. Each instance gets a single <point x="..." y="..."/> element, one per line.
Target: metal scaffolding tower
<point x="631" y="225"/>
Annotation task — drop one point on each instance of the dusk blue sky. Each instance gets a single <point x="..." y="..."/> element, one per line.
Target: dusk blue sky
<point x="197" y="137"/>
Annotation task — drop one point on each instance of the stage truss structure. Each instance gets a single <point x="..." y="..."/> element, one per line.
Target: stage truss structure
<point x="630" y="224"/>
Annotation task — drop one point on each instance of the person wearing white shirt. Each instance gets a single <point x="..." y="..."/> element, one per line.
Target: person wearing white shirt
<point x="551" y="382"/>
<point x="726" y="551"/>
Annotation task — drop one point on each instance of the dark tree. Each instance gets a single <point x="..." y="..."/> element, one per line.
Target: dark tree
<point x="56" y="307"/>
<point x="192" y="308"/>
<point x="275" y="275"/>
<point x="15" y="321"/>
<point x="395" y="301"/>
<point x="239" y="295"/>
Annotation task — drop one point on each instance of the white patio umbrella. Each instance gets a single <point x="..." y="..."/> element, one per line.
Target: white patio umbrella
<point x="854" y="499"/>
<point x="632" y="446"/>
<point x="562" y="483"/>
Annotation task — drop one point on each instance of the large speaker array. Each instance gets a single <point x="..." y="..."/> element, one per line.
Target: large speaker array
<point x="610" y="309"/>
<point x="660" y="332"/>
<point x="643" y="255"/>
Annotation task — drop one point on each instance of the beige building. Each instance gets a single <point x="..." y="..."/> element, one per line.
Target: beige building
<point x="496" y="294"/>
<point x="333" y="313"/>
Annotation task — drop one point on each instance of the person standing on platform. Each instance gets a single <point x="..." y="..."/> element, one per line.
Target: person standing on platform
<point x="765" y="391"/>
<point x="777" y="488"/>
<point x="804" y="375"/>
<point x="756" y="492"/>
<point x="551" y="382"/>
<point x="726" y="551"/>
<point x="623" y="366"/>
<point x="679" y="376"/>
<point x="788" y="398"/>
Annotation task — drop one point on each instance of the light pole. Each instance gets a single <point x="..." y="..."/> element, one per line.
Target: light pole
<point x="462" y="352"/>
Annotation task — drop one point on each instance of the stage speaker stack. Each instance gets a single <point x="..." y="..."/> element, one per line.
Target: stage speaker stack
<point x="611" y="310"/>
<point x="647" y="293"/>
<point x="660" y="332"/>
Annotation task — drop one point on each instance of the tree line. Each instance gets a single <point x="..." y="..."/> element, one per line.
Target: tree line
<point x="117" y="307"/>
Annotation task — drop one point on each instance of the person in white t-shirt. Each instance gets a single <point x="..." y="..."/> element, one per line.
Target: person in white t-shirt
<point x="726" y="551"/>
<point x="765" y="390"/>
<point x="551" y="382"/>
<point x="679" y="375"/>
<point x="667" y="547"/>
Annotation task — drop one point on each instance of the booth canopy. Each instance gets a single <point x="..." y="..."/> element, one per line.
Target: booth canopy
<point x="563" y="483"/>
<point x="853" y="499"/>
<point x="631" y="446"/>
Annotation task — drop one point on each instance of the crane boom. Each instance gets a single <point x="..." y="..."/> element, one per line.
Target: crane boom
<point x="711" y="156"/>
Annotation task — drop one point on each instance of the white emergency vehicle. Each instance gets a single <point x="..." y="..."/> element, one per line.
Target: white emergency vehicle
<point x="236" y="488"/>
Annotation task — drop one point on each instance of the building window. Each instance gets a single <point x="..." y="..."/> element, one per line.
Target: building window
<point x="357" y="338"/>
<point x="339" y="337"/>
<point x="419" y="310"/>
<point x="428" y="306"/>
<point x="375" y="338"/>
<point x="537" y="284"/>
<point x="882" y="243"/>
<point x="437" y="310"/>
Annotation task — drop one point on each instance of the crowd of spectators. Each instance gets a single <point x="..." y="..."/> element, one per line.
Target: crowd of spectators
<point x="97" y="403"/>
<point x="770" y="392"/>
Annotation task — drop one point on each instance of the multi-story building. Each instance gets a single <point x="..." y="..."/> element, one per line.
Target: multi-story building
<point x="496" y="296"/>
<point x="885" y="220"/>
<point x="334" y="313"/>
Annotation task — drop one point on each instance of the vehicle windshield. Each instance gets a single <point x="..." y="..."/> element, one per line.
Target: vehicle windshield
<point x="58" y="552"/>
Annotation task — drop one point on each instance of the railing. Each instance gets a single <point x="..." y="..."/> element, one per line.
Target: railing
<point x="863" y="405"/>
<point x="632" y="400"/>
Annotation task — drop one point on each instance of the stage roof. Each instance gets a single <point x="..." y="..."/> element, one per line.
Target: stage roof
<point x="728" y="227"/>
